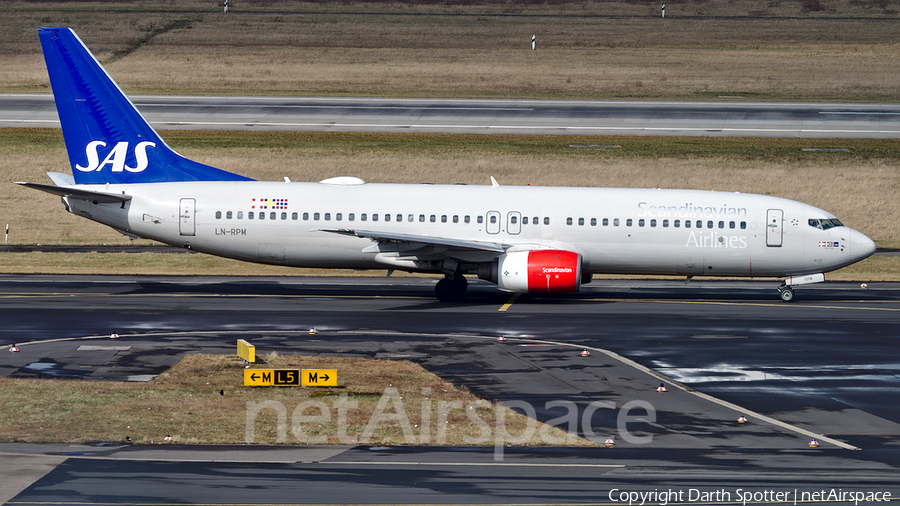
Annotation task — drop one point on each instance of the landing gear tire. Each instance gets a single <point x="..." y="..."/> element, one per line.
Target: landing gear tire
<point x="787" y="293"/>
<point x="451" y="289"/>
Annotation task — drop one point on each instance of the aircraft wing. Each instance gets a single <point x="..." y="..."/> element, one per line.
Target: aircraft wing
<point x="419" y="241"/>
<point x="78" y="193"/>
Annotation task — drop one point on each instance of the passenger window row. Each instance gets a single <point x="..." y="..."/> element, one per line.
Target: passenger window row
<point x="433" y="218"/>
<point x="653" y="222"/>
<point x="387" y="217"/>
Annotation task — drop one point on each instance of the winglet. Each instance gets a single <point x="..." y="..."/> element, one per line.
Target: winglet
<point x="107" y="138"/>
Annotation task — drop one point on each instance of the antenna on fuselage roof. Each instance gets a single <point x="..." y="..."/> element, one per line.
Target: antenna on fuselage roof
<point x="494" y="182"/>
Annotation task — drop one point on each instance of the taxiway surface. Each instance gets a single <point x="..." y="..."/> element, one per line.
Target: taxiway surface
<point x="573" y="117"/>
<point x="824" y="366"/>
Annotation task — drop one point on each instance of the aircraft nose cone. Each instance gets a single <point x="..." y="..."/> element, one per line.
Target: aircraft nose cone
<point x="860" y="245"/>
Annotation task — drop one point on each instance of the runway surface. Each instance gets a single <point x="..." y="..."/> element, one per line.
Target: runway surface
<point x="725" y="119"/>
<point x="823" y="365"/>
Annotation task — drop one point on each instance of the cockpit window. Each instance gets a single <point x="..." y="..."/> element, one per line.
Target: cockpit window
<point x="825" y="224"/>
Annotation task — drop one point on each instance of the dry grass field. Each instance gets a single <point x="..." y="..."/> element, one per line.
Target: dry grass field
<point x="842" y="50"/>
<point x="202" y="400"/>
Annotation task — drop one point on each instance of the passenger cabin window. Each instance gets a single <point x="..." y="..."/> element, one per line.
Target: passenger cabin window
<point x="480" y="219"/>
<point x="605" y="222"/>
<point x="363" y="217"/>
<point x="271" y="216"/>
<point x="443" y="218"/>
<point x="374" y="216"/>
<point x="687" y="223"/>
<point x="305" y="216"/>
<point x="580" y="222"/>
<point x="433" y="218"/>
<point x="665" y="223"/>
<point x="709" y="224"/>
<point x="642" y="222"/>
<point x="337" y="216"/>
<point x="228" y="215"/>
<point x="615" y="222"/>
<point x="730" y="224"/>
<point x="283" y="216"/>
<point x="721" y="224"/>
<point x="466" y="219"/>
<point x="546" y="220"/>
<point x="316" y="216"/>
<point x="653" y="222"/>
<point x="294" y="216"/>
<point x="676" y="223"/>
<point x="262" y="216"/>
<point x="513" y="220"/>
<point x="593" y="222"/>
<point x="387" y="217"/>
<point x="250" y="215"/>
<point x="327" y="216"/>
<point x="421" y="218"/>
<point x="399" y="217"/>
<point x="568" y="221"/>
<point x="351" y="217"/>
<point x="240" y="215"/>
<point x="628" y="222"/>
<point x="218" y="215"/>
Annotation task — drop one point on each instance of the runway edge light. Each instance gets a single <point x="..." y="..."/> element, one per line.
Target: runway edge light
<point x="813" y="443"/>
<point x="609" y="443"/>
<point x="585" y="353"/>
<point x="13" y="349"/>
<point x="742" y="419"/>
<point x="662" y="388"/>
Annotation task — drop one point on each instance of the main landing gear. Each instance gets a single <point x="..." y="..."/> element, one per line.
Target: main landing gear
<point x="451" y="288"/>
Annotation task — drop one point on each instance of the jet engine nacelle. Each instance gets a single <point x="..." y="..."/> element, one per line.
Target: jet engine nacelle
<point x="540" y="271"/>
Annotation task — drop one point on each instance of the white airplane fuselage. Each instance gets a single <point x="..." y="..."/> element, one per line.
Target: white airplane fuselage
<point x="616" y="230"/>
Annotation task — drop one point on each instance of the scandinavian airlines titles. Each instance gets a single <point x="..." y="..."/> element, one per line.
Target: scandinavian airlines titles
<point x="689" y="210"/>
<point x="700" y="239"/>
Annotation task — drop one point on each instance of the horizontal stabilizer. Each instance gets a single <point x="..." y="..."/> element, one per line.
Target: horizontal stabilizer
<point x="78" y="193"/>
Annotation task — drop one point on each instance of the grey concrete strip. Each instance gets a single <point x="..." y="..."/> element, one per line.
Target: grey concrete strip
<point x="21" y="471"/>
<point x="250" y="453"/>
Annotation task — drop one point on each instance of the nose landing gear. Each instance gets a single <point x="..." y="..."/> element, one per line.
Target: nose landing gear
<point x="786" y="293"/>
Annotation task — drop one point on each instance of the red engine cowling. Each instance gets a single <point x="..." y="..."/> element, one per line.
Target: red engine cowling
<point x="540" y="271"/>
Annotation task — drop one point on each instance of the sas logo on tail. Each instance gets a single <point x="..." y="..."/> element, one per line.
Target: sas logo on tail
<point x="116" y="157"/>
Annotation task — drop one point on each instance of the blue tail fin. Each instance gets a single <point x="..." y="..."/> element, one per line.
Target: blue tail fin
<point x="107" y="138"/>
